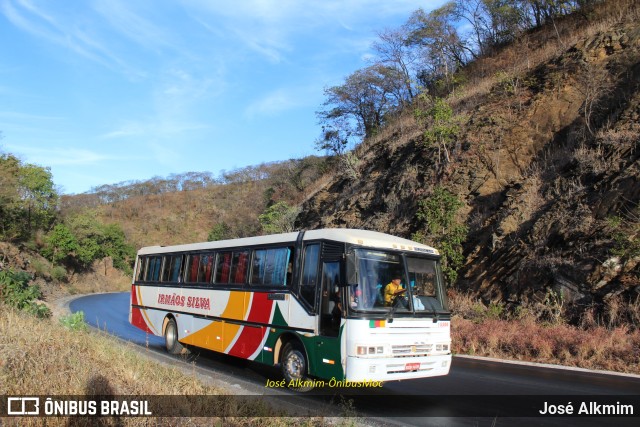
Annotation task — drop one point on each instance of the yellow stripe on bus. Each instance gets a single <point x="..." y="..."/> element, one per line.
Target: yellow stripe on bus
<point x="218" y="335"/>
<point x="209" y="337"/>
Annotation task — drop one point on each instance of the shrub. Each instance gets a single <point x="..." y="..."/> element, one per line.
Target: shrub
<point x="442" y="127"/>
<point x="279" y="218"/>
<point x="438" y="213"/>
<point x="16" y="292"/>
<point x="86" y="240"/>
<point x="220" y="231"/>
<point x="41" y="268"/>
<point x="59" y="273"/>
<point x="74" y="321"/>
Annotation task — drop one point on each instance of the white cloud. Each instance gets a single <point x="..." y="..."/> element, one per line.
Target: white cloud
<point x="271" y="27"/>
<point x="125" y="21"/>
<point x="60" y="156"/>
<point x="64" y="30"/>
<point x="273" y="104"/>
<point x="14" y="115"/>
<point x="152" y="129"/>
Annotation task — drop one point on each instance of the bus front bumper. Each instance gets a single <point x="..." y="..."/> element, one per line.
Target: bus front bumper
<point x="396" y="368"/>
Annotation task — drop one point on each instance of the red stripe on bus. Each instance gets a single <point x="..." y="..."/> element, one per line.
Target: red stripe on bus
<point x="251" y="337"/>
<point x="137" y="319"/>
<point x="134" y="297"/>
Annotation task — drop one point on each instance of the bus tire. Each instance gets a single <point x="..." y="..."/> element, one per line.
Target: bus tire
<point x="294" y="367"/>
<point x="171" y="338"/>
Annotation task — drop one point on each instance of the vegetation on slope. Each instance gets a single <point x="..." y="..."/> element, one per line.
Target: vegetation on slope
<point x="536" y="137"/>
<point x="197" y="207"/>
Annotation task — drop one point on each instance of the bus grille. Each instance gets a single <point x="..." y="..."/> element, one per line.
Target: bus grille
<point x="411" y="350"/>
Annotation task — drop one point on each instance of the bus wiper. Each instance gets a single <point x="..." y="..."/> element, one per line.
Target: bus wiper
<point x="435" y="314"/>
<point x="394" y="306"/>
<point x="434" y="311"/>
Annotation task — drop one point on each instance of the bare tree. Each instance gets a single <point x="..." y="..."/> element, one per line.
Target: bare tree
<point x="395" y="52"/>
<point x="359" y="106"/>
<point x="443" y="51"/>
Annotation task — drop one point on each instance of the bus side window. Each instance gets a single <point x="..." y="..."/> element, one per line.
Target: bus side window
<point x="176" y="266"/>
<point x="167" y="266"/>
<point x="169" y="271"/>
<point x="271" y="267"/>
<point x="309" y="282"/>
<point x="193" y="263"/>
<point x="289" y="274"/>
<point x="142" y="263"/>
<point x="223" y="267"/>
<point x="153" y="269"/>
<point x="204" y="270"/>
<point x="239" y="266"/>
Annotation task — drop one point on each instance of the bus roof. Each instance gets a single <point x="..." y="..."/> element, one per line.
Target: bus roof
<point x="346" y="235"/>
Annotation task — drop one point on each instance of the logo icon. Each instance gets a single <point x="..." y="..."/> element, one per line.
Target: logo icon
<point x="23" y="406"/>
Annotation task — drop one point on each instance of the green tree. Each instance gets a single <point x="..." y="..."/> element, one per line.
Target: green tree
<point x="9" y="197"/>
<point x="28" y="200"/>
<point x="113" y="243"/>
<point x="279" y="218"/>
<point x="438" y="214"/>
<point x="38" y="195"/>
<point x="219" y="231"/>
<point x="84" y="239"/>
<point x="88" y="232"/>
<point x="60" y="244"/>
<point x="442" y="127"/>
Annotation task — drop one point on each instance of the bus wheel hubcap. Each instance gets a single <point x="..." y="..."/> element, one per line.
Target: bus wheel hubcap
<point x="294" y="365"/>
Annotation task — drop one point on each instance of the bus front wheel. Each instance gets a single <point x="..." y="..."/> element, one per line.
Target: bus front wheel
<point x="171" y="338"/>
<point x="294" y="368"/>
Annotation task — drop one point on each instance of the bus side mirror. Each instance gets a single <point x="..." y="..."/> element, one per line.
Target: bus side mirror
<point x="352" y="275"/>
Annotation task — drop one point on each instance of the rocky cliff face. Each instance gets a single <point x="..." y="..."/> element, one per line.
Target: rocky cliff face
<point x="546" y="161"/>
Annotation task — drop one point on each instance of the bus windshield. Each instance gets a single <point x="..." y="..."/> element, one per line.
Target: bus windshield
<point x="382" y="284"/>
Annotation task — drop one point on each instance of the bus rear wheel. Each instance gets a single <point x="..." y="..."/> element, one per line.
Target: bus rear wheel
<point x="171" y="338"/>
<point x="294" y="368"/>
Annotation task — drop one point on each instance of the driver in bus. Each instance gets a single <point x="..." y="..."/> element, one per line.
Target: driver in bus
<point x="393" y="290"/>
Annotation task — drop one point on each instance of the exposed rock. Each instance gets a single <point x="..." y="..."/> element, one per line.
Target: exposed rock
<point x="541" y="176"/>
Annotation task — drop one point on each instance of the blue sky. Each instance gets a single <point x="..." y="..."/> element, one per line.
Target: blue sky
<point x="105" y="91"/>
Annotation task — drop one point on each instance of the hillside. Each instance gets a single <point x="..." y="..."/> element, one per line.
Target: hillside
<point x="545" y="162"/>
<point x="186" y="208"/>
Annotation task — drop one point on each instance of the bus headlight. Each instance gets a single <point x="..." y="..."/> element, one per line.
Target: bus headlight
<point x="442" y="347"/>
<point x="369" y="350"/>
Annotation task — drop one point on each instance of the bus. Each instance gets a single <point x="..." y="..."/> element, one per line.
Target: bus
<point x="319" y="304"/>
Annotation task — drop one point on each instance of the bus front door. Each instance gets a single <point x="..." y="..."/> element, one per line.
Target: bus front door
<point x="327" y="350"/>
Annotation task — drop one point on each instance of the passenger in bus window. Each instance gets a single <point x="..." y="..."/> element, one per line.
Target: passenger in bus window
<point x="393" y="289"/>
<point x="417" y="303"/>
<point x="355" y="297"/>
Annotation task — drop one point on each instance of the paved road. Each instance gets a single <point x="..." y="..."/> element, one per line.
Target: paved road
<point x="476" y="392"/>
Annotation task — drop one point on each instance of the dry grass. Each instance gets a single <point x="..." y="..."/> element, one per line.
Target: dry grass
<point x="41" y="357"/>
<point x="489" y="331"/>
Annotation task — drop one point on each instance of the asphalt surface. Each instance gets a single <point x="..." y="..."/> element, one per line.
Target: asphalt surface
<point x="477" y="391"/>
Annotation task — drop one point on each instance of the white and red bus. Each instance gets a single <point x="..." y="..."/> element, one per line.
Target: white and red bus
<point x="312" y="302"/>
